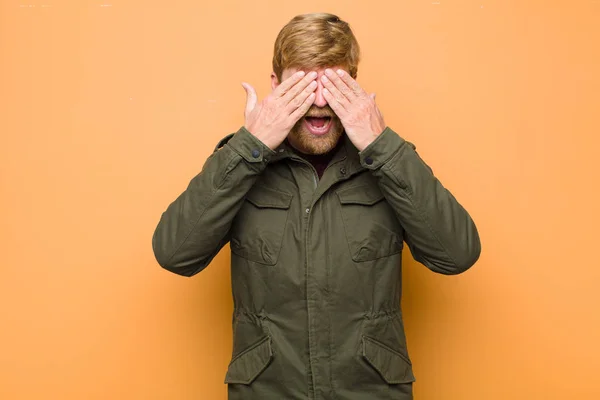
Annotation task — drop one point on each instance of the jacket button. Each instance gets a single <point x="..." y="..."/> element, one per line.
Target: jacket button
<point x="255" y="153"/>
<point x="369" y="160"/>
<point x="343" y="171"/>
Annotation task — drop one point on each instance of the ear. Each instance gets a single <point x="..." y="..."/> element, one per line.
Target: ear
<point x="274" y="81"/>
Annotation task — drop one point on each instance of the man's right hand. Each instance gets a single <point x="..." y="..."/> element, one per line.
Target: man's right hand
<point x="272" y="119"/>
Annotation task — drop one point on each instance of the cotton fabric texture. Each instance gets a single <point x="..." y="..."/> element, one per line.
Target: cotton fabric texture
<point x="316" y="264"/>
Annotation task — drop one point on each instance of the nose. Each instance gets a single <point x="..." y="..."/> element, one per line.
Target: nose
<point x="319" y="98"/>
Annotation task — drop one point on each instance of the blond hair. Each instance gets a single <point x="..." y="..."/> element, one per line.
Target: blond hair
<point x="316" y="40"/>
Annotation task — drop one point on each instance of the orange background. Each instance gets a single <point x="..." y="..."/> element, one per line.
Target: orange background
<point x="109" y="108"/>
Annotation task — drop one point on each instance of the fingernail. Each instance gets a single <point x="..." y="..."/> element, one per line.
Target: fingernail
<point x="324" y="78"/>
<point x="340" y="72"/>
<point x="313" y="74"/>
<point x="328" y="71"/>
<point x="300" y="73"/>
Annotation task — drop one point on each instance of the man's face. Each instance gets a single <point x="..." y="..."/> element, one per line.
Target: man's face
<point x="320" y="129"/>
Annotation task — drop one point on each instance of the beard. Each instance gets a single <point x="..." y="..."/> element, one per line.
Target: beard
<point x="305" y="142"/>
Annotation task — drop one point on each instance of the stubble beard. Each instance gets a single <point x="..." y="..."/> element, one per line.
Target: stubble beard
<point x="305" y="142"/>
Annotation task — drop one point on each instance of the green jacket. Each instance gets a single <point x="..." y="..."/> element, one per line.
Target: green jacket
<point x="316" y="264"/>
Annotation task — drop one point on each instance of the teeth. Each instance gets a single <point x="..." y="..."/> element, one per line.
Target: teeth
<point x="318" y="129"/>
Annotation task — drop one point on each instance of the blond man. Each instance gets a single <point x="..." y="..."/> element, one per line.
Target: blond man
<point x="316" y="196"/>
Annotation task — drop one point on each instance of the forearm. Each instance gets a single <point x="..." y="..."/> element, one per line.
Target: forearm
<point x="439" y="231"/>
<point x="196" y="225"/>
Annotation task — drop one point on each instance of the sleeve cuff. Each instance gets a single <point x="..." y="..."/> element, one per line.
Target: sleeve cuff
<point x="250" y="147"/>
<point x="381" y="149"/>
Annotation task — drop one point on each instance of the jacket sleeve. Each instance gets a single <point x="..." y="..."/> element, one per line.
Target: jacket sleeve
<point x="439" y="232"/>
<point x="196" y="225"/>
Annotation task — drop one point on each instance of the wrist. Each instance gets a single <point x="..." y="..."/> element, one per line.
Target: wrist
<point x="366" y="141"/>
<point x="265" y="138"/>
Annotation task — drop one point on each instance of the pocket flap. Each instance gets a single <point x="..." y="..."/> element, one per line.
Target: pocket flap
<point x="246" y="366"/>
<point x="391" y="365"/>
<point x="264" y="197"/>
<point x="365" y="195"/>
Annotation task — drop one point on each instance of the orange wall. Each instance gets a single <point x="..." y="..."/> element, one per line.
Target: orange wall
<point x="107" y="111"/>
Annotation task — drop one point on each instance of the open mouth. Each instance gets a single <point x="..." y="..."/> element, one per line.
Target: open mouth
<point x="318" y="125"/>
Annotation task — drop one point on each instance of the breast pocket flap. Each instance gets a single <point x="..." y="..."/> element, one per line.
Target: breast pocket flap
<point x="364" y="195"/>
<point x="264" y="197"/>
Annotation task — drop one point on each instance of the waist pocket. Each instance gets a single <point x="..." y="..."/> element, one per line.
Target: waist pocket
<point x="393" y="367"/>
<point x="258" y="228"/>
<point x="249" y="364"/>
<point x="372" y="228"/>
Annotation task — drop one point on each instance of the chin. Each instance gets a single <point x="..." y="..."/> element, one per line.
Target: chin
<point x="307" y="143"/>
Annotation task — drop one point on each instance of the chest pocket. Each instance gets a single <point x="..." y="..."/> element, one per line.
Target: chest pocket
<point x="257" y="230"/>
<point x="372" y="228"/>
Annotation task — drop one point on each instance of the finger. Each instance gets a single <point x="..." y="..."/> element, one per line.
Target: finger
<point x="298" y="100"/>
<point x="372" y="96"/>
<point x="350" y="82"/>
<point x="335" y="105"/>
<point x="340" y="84"/>
<point x="303" y="109"/>
<point x="250" y="98"/>
<point x="300" y="86"/>
<point x="288" y="83"/>
<point x="334" y="91"/>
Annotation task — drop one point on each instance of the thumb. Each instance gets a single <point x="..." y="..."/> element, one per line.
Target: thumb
<point x="250" y="98"/>
<point x="373" y="96"/>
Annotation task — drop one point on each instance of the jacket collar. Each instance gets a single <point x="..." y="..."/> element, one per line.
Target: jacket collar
<point x="351" y="157"/>
<point x="346" y="158"/>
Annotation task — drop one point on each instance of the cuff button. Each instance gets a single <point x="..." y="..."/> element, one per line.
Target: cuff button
<point x="255" y="153"/>
<point x="369" y="160"/>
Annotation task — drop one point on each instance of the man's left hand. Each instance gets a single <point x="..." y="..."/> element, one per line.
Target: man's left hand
<point x="357" y="110"/>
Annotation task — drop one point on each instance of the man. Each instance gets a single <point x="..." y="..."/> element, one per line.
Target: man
<point x="316" y="196"/>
